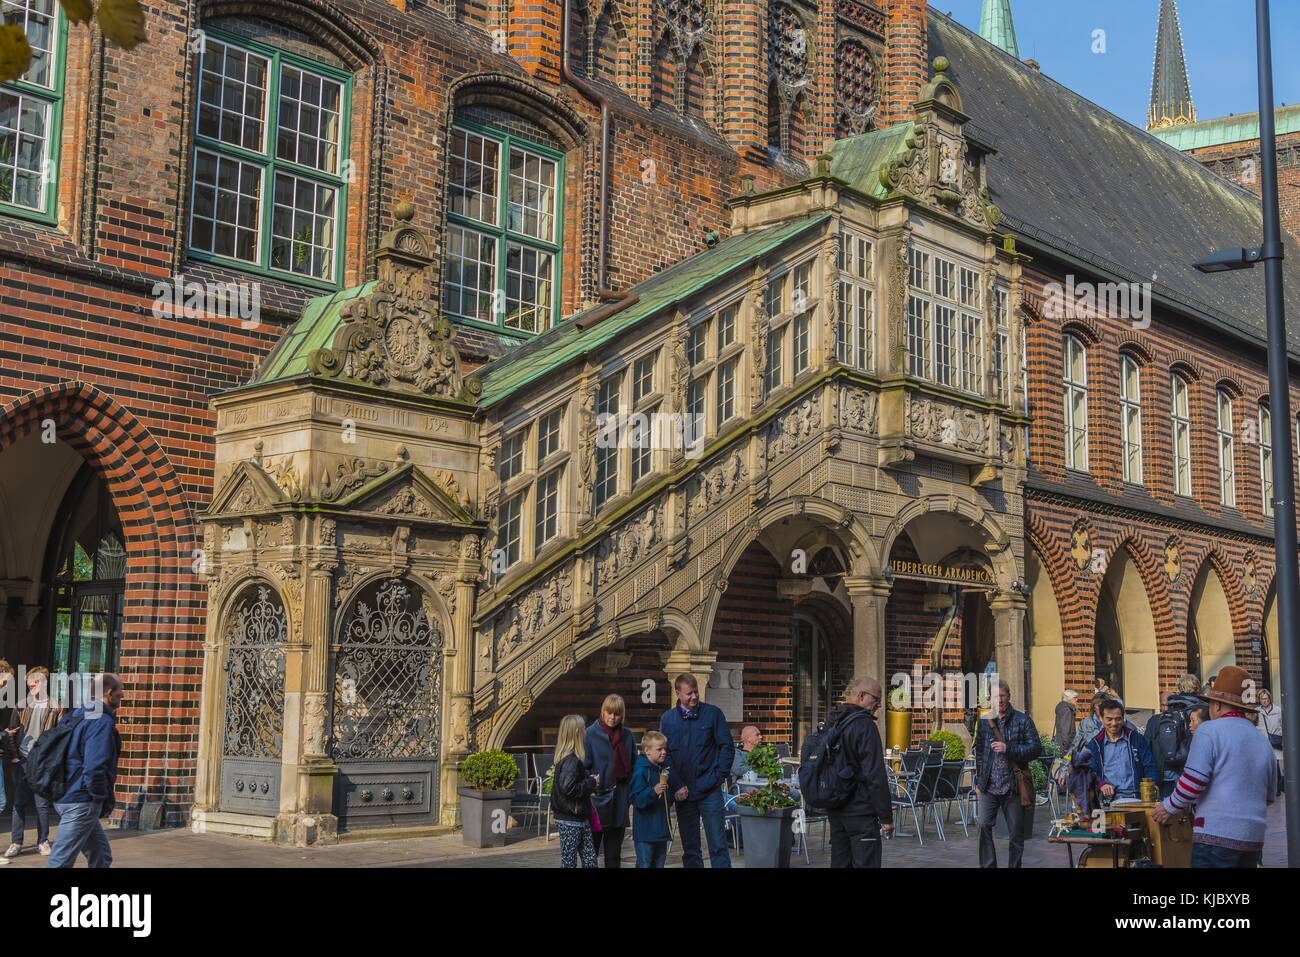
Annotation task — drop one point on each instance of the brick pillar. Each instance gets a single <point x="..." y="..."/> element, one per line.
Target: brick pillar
<point x="742" y="73"/>
<point x="821" y="115"/>
<point x="906" y="52"/>
<point x="534" y="36"/>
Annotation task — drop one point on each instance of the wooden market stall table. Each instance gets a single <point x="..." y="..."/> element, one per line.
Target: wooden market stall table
<point x="1169" y="844"/>
<point x="1091" y="840"/>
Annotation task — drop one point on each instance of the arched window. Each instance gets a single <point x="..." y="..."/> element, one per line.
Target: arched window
<point x="270" y="161"/>
<point x="1180" y="411"/>
<point x="1076" y="405"/>
<point x="86" y="569"/>
<point x="1227" y="449"/>
<point x="1130" y="390"/>
<point x="1266" y="457"/>
<point x="31" y="113"/>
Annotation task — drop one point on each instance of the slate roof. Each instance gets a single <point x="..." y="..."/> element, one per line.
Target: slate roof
<point x="1074" y="177"/>
<point x="565" y="342"/>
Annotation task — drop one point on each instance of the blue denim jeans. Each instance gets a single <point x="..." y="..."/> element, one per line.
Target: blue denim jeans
<point x="651" y="855"/>
<point x="80" y="830"/>
<point x="709" y="810"/>
<point x="1211" y="855"/>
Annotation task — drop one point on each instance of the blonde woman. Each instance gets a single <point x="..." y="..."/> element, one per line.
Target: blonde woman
<point x="571" y="794"/>
<point x="611" y="754"/>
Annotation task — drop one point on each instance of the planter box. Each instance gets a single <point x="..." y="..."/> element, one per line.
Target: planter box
<point x="484" y="817"/>
<point x="769" y="837"/>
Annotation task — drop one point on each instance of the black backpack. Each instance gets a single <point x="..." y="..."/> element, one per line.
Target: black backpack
<point x="47" y="763"/>
<point x="1170" y="736"/>
<point x="826" y="779"/>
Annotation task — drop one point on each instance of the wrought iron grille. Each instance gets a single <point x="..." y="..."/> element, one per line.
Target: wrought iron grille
<point x="387" y="679"/>
<point x="255" y="677"/>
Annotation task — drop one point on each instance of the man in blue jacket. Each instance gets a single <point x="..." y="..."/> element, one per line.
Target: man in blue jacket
<point x="1121" y="755"/>
<point x="89" y="776"/>
<point x="699" y="757"/>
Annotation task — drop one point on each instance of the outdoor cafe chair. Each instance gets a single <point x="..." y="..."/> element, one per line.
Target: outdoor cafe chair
<point x="902" y="794"/>
<point x="526" y="795"/>
<point x="926" y="790"/>
<point x="949" y="790"/>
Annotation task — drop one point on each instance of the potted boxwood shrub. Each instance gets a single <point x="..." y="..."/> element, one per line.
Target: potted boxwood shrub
<point x="898" y="720"/>
<point x="486" y="780"/>
<point x="954" y="749"/>
<point x="768" y="812"/>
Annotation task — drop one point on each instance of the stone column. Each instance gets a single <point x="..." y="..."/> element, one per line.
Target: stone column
<point x="870" y="597"/>
<point x="1009" y="639"/>
<point x="698" y="663"/>
<point x="212" y="713"/>
<point x="458" y="656"/>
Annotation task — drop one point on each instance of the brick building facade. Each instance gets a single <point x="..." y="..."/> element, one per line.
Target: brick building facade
<point x="674" y="134"/>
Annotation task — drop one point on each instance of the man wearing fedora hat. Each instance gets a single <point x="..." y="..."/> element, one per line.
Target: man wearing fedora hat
<point x="1230" y="778"/>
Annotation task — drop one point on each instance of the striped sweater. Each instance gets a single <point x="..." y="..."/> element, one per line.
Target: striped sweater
<point x="1230" y="777"/>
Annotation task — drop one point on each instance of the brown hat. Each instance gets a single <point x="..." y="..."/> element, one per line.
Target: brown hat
<point x="1231" y="685"/>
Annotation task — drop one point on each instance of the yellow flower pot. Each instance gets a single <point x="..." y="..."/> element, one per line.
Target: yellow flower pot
<point x="898" y="729"/>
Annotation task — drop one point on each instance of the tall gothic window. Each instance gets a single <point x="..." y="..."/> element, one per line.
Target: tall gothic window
<point x="1130" y="399"/>
<point x="530" y="470"/>
<point x="502" y="265"/>
<point x="31" y="112"/>
<point x="270" y="161"/>
<point x="1223" y="431"/>
<point x="789" y="73"/>
<point x="1181" y="413"/>
<point x="1266" y="457"/>
<point x="1076" y="405"/>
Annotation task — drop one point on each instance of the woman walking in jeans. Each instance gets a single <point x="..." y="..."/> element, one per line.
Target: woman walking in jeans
<point x="37" y="715"/>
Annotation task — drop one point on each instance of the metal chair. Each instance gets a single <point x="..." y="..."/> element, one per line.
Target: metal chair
<point x="902" y="794"/>
<point x="926" y="797"/>
<point x="949" y="789"/>
<point x="526" y="796"/>
<point x="809" y="818"/>
<point x="731" y="821"/>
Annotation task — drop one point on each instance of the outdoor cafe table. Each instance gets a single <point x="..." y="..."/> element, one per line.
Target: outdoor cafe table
<point x="1069" y="840"/>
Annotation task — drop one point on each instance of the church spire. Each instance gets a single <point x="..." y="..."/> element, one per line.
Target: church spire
<point x="997" y="27"/>
<point x="1171" y="94"/>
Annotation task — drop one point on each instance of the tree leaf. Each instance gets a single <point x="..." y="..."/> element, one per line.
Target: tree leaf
<point x="122" y="22"/>
<point x="78" y="11"/>
<point x="15" y="52"/>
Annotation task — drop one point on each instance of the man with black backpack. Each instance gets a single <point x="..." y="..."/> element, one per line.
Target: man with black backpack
<point x="75" y="765"/>
<point x="842" y="772"/>
<point x="1170" y="735"/>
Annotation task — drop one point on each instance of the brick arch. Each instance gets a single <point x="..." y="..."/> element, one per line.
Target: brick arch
<point x="1229" y="384"/>
<point x="1083" y="329"/>
<point x="161" y="593"/>
<point x="1136" y="349"/>
<point x="1159" y="601"/>
<point x="1184" y="364"/>
<point x="1060" y="569"/>
<point x="344" y="36"/>
<point x="1236" y="595"/>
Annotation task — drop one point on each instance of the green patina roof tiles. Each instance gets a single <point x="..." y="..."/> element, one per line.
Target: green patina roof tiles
<point x="314" y="330"/>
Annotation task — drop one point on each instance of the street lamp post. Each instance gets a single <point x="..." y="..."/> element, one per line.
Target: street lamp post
<point x="1279" y="385"/>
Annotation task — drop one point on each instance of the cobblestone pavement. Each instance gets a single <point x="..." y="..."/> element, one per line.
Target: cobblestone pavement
<point x="180" y="848"/>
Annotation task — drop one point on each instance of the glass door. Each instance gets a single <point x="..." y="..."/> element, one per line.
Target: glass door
<point x="812" y="678"/>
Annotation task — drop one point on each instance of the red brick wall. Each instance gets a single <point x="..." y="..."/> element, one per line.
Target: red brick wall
<point x="906" y="64"/>
<point x="1239" y="162"/>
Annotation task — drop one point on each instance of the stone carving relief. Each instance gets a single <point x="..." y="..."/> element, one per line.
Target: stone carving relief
<point x="629" y="544"/>
<point x="406" y="502"/>
<point x="942" y="423"/>
<point x="909" y="172"/>
<point x="586" y="448"/>
<point x="855" y="88"/>
<point x="347" y="476"/>
<point x="286" y="475"/>
<point x="857" y="409"/>
<point x="536" y="611"/>
<point x="328" y="531"/>
<point x="395" y="337"/>
<point x="445" y="585"/>
<point x="714" y="485"/>
<point x="1250" y="573"/>
<point x="793" y="428"/>
<point x="681" y="367"/>
<point x="897" y="319"/>
<point x="1081" y="545"/>
<point x="313" y="722"/>
<point x="1173" y="557"/>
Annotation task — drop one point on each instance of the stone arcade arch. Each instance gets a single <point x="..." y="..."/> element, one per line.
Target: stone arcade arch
<point x="1272" y="657"/>
<point x="1209" y="623"/>
<point x="1046" y="641"/>
<point x="1124" y="636"/>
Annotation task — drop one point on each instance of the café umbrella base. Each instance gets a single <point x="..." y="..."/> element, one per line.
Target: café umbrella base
<point x="769" y="837"/>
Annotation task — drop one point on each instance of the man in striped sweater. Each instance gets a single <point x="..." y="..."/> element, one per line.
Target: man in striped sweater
<point x="1229" y="779"/>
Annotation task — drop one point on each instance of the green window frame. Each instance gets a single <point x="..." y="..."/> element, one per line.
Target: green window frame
<point x="31" y="114"/>
<point x="268" y="190"/>
<point x="491" y="258"/>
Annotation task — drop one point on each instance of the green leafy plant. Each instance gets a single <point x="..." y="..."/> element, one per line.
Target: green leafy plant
<point x="954" y="749"/>
<point x="898" y="698"/>
<point x="1050" y="749"/>
<point x="489" y="771"/>
<point x="774" y="794"/>
<point x="121" y="22"/>
<point x="548" y="782"/>
<point x="1039" y="775"/>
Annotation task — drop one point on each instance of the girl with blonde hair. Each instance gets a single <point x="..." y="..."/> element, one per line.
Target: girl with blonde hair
<point x="571" y="794"/>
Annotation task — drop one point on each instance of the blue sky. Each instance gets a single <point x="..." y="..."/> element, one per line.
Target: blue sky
<point x="1218" y="37"/>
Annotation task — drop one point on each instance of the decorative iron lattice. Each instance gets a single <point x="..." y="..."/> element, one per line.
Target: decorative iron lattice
<point x="388" y="679"/>
<point x="687" y="23"/>
<point x="787" y="52"/>
<point x="255" y="677"/>
<point x="855" y="88"/>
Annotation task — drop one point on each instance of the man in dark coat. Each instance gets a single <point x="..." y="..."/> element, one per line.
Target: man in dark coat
<point x="1063" y="734"/>
<point x="699" y="756"/>
<point x="856" y="828"/>
<point x="1004" y="741"/>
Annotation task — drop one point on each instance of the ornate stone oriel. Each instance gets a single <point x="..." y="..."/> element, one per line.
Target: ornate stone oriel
<point x="394" y="336"/>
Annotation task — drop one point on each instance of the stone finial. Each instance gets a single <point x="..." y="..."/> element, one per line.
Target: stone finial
<point x="941" y="65"/>
<point x="404" y="211"/>
<point x="823" y="164"/>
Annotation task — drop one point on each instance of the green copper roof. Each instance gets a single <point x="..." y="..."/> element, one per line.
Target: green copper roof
<point x="565" y="342"/>
<point x="857" y="159"/>
<point x="314" y="330"/>
<point x="998" y="28"/>
<point x="1227" y="129"/>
